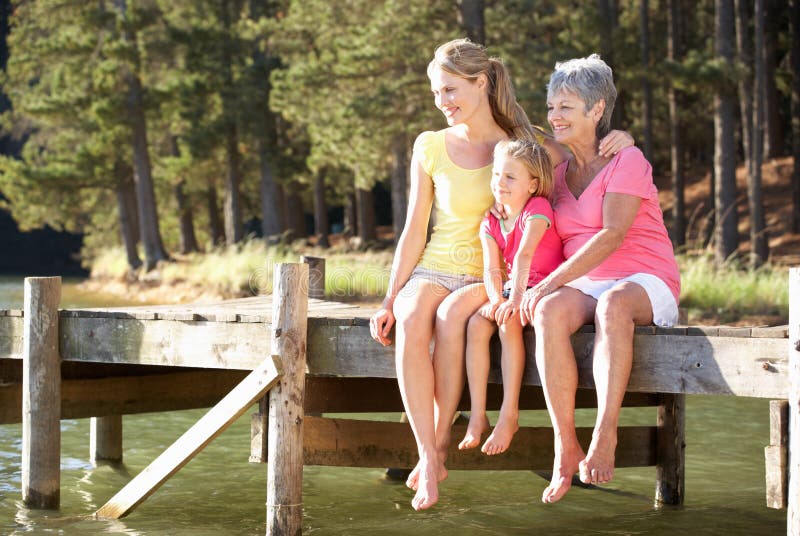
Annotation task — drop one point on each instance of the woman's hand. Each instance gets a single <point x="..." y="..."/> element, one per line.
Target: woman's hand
<point x="497" y="210"/>
<point x="380" y="324"/>
<point x="531" y="298"/>
<point x="488" y="309"/>
<point x="614" y="142"/>
<point x="505" y="312"/>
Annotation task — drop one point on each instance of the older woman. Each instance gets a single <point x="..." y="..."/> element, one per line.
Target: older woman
<point x="620" y="269"/>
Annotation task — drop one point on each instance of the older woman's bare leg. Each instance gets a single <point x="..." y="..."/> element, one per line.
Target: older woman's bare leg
<point x="557" y="317"/>
<point x="618" y="311"/>
<point x="415" y="313"/>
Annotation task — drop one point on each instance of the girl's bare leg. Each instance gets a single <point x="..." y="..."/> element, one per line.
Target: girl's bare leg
<point x="618" y="311"/>
<point x="479" y="333"/>
<point x="557" y="317"/>
<point x="512" y="362"/>
<point x="415" y="313"/>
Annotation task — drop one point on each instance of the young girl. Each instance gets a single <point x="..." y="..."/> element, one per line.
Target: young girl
<point x="522" y="180"/>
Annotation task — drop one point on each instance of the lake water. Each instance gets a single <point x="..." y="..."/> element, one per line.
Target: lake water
<point x="219" y="492"/>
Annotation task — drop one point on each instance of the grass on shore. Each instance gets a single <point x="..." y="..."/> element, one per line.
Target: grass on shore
<point x="722" y="295"/>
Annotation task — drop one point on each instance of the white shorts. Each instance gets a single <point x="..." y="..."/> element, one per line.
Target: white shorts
<point x="665" y="309"/>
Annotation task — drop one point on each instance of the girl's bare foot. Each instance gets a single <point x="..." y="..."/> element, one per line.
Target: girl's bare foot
<point x="501" y="436"/>
<point x="478" y="424"/>
<point x="564" y="466"/>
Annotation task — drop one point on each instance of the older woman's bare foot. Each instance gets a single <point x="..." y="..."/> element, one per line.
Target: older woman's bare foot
<point x="413" y="477"/>
<point x="501" y="436"/>
<point x="427" y="486"/>
<point x="564" y="466"/>
<point x="598" y="466"/>
<point x="478" y="424"/>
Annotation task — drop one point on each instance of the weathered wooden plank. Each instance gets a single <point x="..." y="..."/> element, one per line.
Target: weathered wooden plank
<point x="793" y="355"/>
<point x="194" y="440"/>
<point x="41" y="394"/>
<point x="734" y="332"/>
<point x="125" y="395"/>
<point x="11" y="337"/>
<point x="770" y="332"/>
<point x="346" y="442"/>
<point x="285" y="442"/>
<point x="776" y="454"/>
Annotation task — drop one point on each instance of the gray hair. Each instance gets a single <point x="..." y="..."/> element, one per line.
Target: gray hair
<point x="591" y="80"/>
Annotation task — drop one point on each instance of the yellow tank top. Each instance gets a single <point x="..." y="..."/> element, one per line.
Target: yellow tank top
<point x="461" y="197"/>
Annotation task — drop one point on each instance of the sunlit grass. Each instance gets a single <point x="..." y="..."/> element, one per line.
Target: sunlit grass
<point x="247" y="269"/>
<point x="731" y="292"/>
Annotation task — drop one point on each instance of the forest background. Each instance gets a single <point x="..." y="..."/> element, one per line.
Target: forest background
<point x="171" y="127"/>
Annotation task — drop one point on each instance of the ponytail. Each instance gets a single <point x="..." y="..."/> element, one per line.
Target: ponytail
<point x="507" y="112"/>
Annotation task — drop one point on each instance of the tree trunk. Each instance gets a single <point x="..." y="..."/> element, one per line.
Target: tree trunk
<point x="321" y="227"/>
<point x="726" y="240"/>
<point x="271" y="205"/>
<point x="647" y="91"/>
<point x="471" y="20"/>
<point x="148" y="211"/>
<point x="675" y="53"/>
<point x="795" y="24"/>
<point x="296" y="216"/>
<point x="773" y="131"/>
<point x="126" y="209"/>
<point x="232" y="208"/>
<point x="759" y="246"/>
<point x="399" y="186"/>
<point x="745" y="53"/>
<point x="607" y="10"/>
<point x="188" y="240"/>
<point x="350" y="223"/>
<point x="365" y="212"/>
<point x="215" y="227"/>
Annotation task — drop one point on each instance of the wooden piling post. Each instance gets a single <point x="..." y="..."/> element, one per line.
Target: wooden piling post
<point x="41" y="394"/>
<point x="775" y="455"/>
<point x="793" y="514"/>
<point x="670" y="449"/>
<point x="316" y="276"/>
<point x="285" y="445"/>
<point x="105" y="439"/>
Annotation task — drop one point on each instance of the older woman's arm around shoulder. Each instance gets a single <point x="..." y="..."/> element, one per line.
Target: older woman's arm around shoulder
<point x="619" y="211"/>
<point x="409" y="248"/>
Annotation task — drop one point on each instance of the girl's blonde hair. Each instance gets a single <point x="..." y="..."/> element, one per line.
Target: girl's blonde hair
<point x="468" y="60"/>
<point x="535" y="159"/>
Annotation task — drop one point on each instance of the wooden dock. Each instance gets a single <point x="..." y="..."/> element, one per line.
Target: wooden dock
<point x="104" y="363"/>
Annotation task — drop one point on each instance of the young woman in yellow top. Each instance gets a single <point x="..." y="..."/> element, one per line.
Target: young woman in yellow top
<point x="435" y="288"/>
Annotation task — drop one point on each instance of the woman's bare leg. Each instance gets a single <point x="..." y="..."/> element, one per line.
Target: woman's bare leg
<point x="512" y="362"/>
<point x="618" y="311"/>
<point x="557" y="317"/>
<point x="415" y="313"/>
<point x="479" y="334"/>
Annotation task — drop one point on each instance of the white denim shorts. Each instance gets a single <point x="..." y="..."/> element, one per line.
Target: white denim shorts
<point x="665" y="309"/>
<point x="452" y="282"/>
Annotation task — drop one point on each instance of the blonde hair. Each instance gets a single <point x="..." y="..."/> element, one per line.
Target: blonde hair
<point x="535" y="159"/>
<point x="468" y="60"/>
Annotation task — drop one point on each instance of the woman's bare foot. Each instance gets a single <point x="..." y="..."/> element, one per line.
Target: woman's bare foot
<point x="428" y="478"/>
<point x="501" y="436"/>
<point x="564" y="466"/>
<point x="598" y="466"/>
<point x="413" y="478"/>
<point x="478" y="424"/>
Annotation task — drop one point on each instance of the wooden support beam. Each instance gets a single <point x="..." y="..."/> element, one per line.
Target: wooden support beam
<point x="285" y="444"/>
<point x="347" y="442"/>
<point x="316" y="276"/>
<point x="671" y="450"/>
<point x="194" y="440"/>
<point x="793" y="513"/>
<point x="776" y="454"/>
<point x="105" y="439"/>
<point x="41" y="394"/>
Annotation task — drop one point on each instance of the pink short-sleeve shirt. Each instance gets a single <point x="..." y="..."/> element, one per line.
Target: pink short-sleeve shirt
<point x="548" y="254"/>
<point x="646" y="247"/>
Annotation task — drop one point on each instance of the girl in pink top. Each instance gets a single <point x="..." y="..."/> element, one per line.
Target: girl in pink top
<point x="522" y="179"/>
